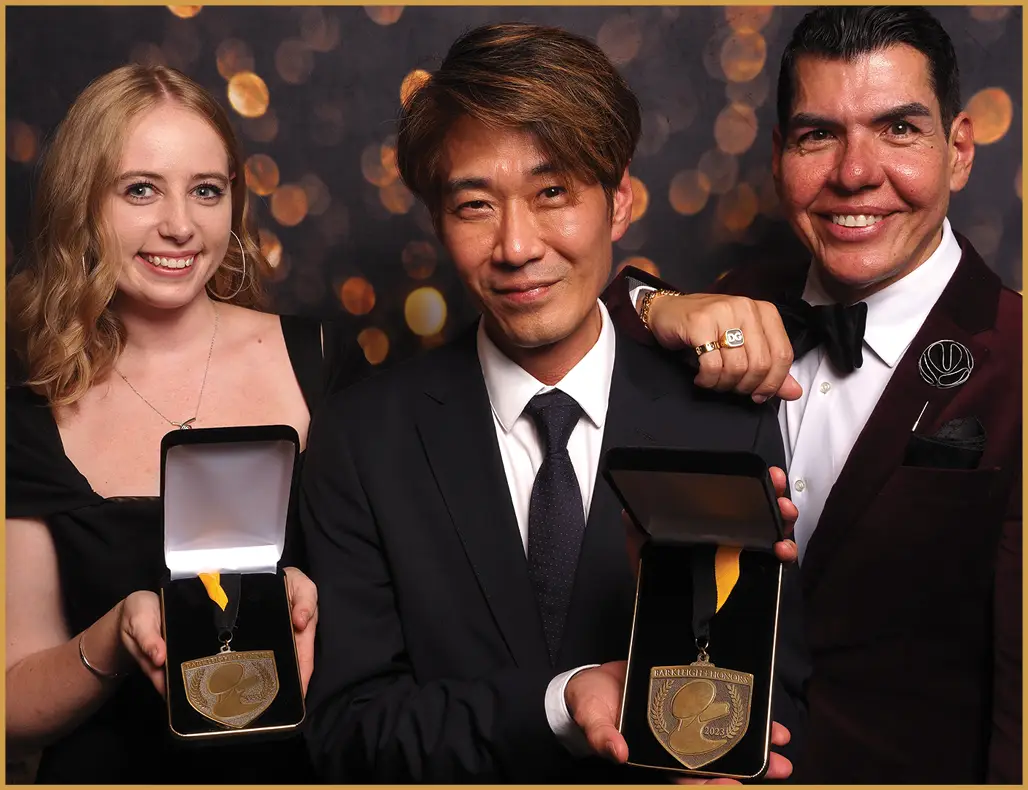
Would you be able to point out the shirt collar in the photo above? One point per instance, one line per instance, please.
(511, 387)
(896, 313)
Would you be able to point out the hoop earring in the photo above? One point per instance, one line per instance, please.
(242, 279)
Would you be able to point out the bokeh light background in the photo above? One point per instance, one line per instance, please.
(314, 93)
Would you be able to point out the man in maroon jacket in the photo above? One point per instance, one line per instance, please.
(905, 447)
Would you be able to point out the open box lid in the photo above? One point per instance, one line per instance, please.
(696, 496)
(225, 498)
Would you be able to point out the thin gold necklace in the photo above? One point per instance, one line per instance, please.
(185, 424)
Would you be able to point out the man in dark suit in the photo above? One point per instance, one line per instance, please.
(905, 449)
(474, 588)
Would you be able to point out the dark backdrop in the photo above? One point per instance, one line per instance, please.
(346, 234)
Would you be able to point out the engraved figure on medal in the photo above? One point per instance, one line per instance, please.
(699, 712)
(230, 688)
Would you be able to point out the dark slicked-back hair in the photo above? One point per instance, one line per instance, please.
(847, 32)
(558, 86)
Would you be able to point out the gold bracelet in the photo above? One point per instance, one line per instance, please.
(98, 672)
(647, 300)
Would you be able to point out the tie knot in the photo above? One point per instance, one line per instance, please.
(555, 414)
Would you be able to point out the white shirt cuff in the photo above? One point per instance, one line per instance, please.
(633, 293)
(560, 721)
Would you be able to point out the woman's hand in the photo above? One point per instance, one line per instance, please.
(139, 625)
(303, 609)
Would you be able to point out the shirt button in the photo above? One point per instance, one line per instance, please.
(800, 485)
(825, 386)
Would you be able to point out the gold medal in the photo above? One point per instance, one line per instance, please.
(231, 688)
(699, 712)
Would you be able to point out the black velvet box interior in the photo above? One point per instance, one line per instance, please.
(225, 500)
(263, 623)
(742, 638)
(684, 499)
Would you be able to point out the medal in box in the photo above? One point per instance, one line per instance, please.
(231, 669)
(701, 661)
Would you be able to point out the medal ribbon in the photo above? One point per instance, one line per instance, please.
(227, 601)
(714, 575)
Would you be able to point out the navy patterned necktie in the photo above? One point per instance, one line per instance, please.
(556, 518)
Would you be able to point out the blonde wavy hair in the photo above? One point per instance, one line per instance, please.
(59, 306)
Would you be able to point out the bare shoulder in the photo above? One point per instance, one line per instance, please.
(244, 328)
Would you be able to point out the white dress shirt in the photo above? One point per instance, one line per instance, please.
(510, 388)
(821, 427)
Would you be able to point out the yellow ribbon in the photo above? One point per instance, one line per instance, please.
(212, 581)
(726, 572)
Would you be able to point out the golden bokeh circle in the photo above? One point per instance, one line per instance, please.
(384, 14)
(294, 61)
(22, 142)
(620, 37)
(419, 259)
(374, 170)
(271, 248)
(735, 128)
(743, 56)
(261, 174)
(357, 296)
(737, 208)
(334, 224)
(374, 343)
(640, 199)
(689, 192)
(148, 54)
(329, 124)
(754, 93)
(991, 112)
(387, 156)
(396, 198)
(989, 13)
(233, 56)
(425, 311)
(656, 129)
(639, 262)
(748, 19)
(248, 94)
(263, 129)
(721, 170)
(318, 197)
(986, 233)
(185, 11)
(412, 83)
(634, 238)
(289, 205)
(318, 31)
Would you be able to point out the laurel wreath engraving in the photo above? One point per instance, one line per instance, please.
(737, 712)
(657, 706)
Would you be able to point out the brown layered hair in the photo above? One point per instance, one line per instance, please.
(557, 86)
(61, 323)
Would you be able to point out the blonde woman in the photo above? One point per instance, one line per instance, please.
(133, 316)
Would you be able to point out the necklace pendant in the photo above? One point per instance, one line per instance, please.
(185, 426)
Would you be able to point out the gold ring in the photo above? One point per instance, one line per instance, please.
(732, 338)
(704, 348)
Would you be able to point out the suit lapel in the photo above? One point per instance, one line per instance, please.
(966, 307)
(604, 587)
(455, 423)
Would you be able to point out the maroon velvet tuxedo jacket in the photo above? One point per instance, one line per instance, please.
(912, 579)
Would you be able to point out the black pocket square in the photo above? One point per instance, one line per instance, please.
(959, 444)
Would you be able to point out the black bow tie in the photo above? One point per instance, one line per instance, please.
(839, 328)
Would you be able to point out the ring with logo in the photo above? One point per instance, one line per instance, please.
(731, 338)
